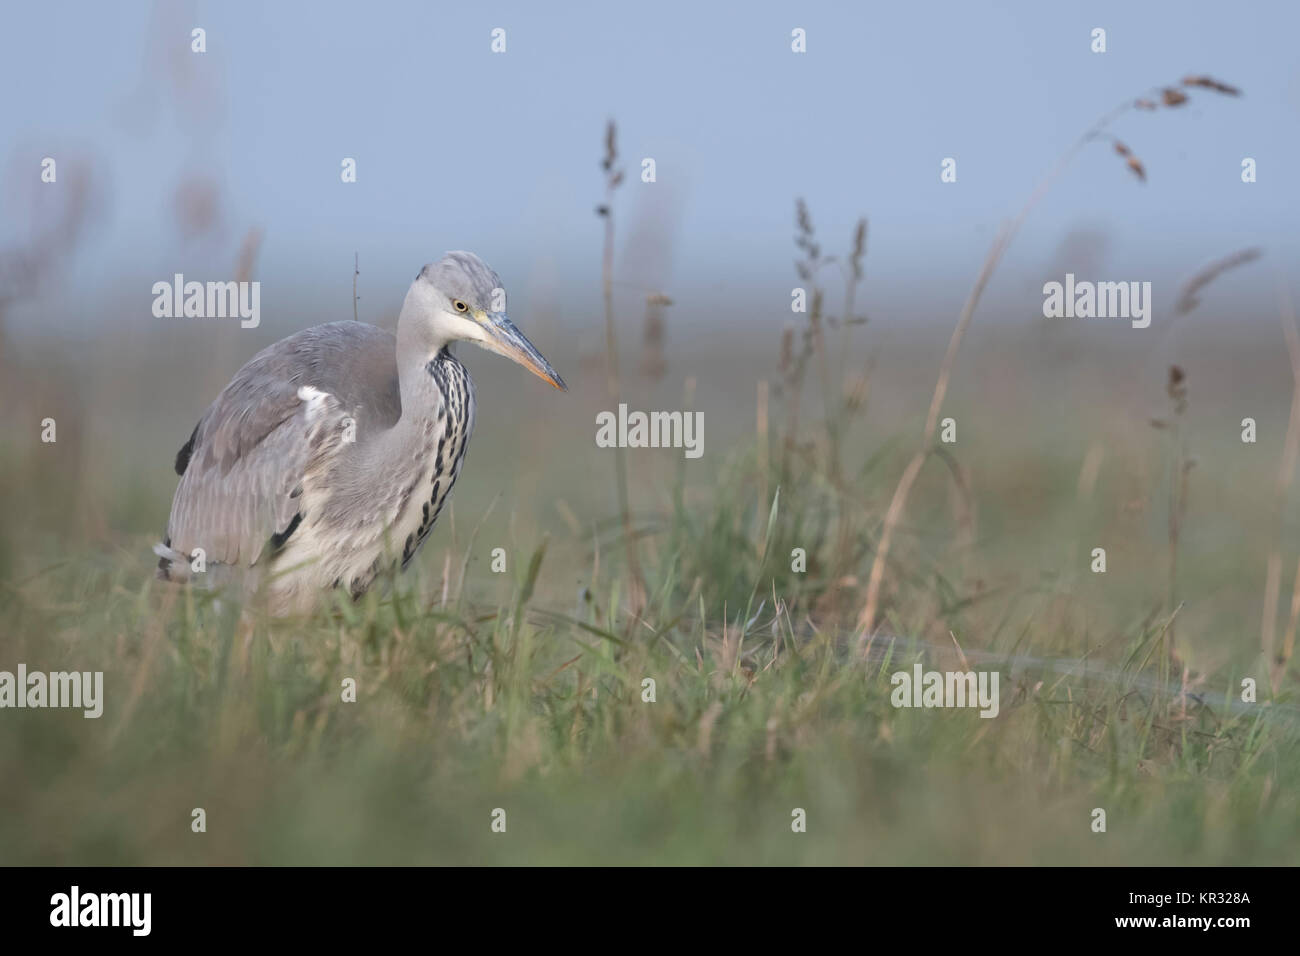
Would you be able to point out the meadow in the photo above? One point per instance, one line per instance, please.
(688, 660)
(523, 691)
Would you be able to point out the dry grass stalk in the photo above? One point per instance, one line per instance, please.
(248, 250)
(849, 402)
(1090, 470)
(814, 335)
(853, 276)
(867, 619)
(1176, 389)
(794, 363)
(653, 362)
(1279, 665)
(613, 178)
(841, 399)
(763, 463)
(963, 499)
(1187, 300)
(1286, 470)
(790, 387)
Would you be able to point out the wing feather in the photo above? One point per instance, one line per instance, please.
(242, 468)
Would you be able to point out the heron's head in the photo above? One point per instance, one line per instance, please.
(460, 299)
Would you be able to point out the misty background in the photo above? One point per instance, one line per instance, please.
(457, 147)
(1071, 435)
(226, 165)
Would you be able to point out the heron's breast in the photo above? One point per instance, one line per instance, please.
(444, 469)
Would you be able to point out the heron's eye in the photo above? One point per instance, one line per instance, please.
(459, 306)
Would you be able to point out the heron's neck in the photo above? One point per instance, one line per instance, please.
(419, 342)
(420, 394)
(399, 451)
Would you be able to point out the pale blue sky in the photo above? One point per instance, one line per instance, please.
(461, 148)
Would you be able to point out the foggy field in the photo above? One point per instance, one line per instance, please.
(951, 570)
(489, 700)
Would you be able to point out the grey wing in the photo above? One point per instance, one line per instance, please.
(242, 469)
(238, 490)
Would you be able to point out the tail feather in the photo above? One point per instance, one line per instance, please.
(172, 565)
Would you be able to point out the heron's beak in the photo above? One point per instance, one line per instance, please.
(504, 339)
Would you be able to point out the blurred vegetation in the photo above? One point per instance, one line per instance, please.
(528, 691)
(523, 691)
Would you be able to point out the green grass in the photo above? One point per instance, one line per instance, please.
(524, 691)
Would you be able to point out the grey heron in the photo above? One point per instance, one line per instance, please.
(328, 457)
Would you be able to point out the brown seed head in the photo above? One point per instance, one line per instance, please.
(1210, 83)
(859, 248)
(1177, 388)
(611, 146)
(802, 218)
